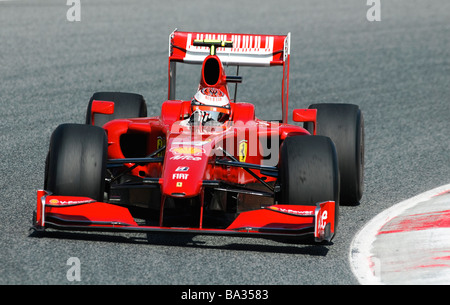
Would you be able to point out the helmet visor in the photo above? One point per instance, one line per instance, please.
(215, 115)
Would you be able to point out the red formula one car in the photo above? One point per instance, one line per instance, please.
(205, 165)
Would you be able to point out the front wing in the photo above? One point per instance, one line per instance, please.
(82, 213)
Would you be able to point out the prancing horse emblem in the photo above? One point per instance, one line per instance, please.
(243, 146)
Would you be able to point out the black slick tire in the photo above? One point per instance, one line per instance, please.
(344, 125)
(308, 171)
(76, 164)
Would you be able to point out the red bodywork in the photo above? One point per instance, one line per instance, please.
(195, 160)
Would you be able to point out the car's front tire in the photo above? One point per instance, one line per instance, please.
(76, 164)
(308, 171)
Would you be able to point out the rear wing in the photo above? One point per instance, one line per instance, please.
(248, 50)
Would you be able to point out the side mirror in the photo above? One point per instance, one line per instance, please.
(306, 115)
(103, 107)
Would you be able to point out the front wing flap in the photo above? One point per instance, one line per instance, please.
(82, 213)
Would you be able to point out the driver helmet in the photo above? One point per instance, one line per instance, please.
(212, 101)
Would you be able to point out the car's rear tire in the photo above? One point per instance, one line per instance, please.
(308, 171)
(344, 124)
(76, 163)
(126, 105)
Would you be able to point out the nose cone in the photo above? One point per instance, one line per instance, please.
(184, 168)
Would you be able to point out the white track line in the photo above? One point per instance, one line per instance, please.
(362, 263)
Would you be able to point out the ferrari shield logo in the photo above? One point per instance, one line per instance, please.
(243, 148)
(160, 142)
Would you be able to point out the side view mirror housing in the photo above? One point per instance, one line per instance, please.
(306, 115)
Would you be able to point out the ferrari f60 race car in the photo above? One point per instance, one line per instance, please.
(205, 165)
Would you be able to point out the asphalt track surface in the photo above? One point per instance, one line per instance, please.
(397, 70)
